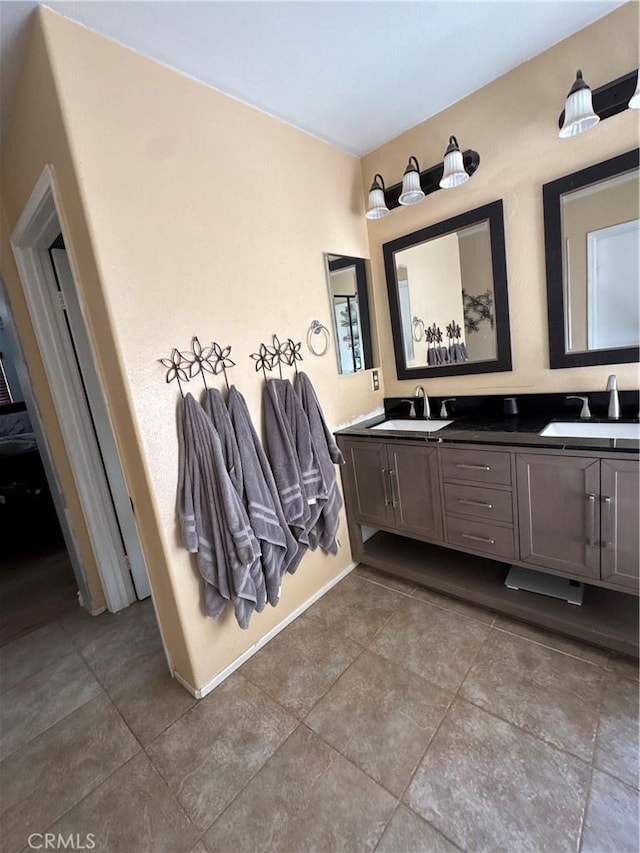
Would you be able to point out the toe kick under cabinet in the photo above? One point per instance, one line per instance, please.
(414, 506)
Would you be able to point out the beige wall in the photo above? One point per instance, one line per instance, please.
(512, 123)
(195, 215)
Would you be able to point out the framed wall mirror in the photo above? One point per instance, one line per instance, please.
(348, 293)
(592, 239)
(447, 287)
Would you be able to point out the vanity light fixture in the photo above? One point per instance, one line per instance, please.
(457, 168)
(377, 204)
(579, 114)
(412, 192)
(454, 173)
(585, 108)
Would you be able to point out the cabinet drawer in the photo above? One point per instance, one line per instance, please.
(491, 504)
(480, 536)
(481, 466)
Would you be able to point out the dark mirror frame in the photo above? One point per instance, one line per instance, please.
(494, 213)
(551, 198)
(360, 265)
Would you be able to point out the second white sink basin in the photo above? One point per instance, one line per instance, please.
(411, 425)
(569, 430)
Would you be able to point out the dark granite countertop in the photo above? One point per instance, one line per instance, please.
(519, 431)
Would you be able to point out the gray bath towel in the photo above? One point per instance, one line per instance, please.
(216, 409)
(280, 551)
(293, 460)
(328, 453)
(213, 521)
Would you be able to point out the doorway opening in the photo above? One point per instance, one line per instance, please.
(58, 317)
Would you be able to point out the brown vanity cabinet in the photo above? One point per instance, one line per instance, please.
(620, 519)
(395, 486)
(579, 516)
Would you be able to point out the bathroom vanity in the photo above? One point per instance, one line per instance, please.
(454, 508)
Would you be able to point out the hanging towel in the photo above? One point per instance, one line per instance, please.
(328, 453)
(213, 521)
(280, 551)
(293, 460)
(216, 409)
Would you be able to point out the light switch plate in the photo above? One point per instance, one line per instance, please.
(375, 380)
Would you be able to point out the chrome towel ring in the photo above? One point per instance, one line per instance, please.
(318, 328)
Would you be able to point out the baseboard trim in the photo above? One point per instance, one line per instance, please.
(231, 668)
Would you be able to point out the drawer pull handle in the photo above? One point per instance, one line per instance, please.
(474, 467)
(475, 503)
(479, 538)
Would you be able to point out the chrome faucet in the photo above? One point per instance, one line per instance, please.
(443, 407)
(412, 409)
(585, 412)
(614, 400)
(419, 389)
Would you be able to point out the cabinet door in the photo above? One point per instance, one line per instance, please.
(559, 513)
(368, 470)
(415, 490)
(620, 511)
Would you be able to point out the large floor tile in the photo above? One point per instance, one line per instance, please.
(36, 703)
(356, 608)
(611, 825)
(627, 667)
(408, 833)
(32, 653)
(617, 742)
(546, 693)
(126, 641)
(131, 812)
(381, 716)
(307, 797)
(208, 755)
(55, 770)
(488, 785)
(553, 641)
(435, 643)
(299, 665)
(384, 579)
(462, 608)
(148, 697)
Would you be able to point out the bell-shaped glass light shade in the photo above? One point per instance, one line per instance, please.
(411, 190)
(578, 111)
(377, 204)
(634, 103)
(454, 171)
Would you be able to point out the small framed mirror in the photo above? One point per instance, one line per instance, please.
(447, 287)
(592, 235)
(347, 282)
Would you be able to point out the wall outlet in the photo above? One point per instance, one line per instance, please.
(375, 380)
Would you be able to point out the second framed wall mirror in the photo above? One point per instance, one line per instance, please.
(592, 240)
(447, 287)
(348, 294)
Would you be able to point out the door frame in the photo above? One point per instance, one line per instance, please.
(38, 227)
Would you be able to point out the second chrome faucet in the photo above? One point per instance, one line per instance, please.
(419, 390)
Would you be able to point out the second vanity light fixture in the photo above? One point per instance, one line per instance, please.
(454, 171)
(584, 108)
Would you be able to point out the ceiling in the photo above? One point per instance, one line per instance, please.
(355, 74)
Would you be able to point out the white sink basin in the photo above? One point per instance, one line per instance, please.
(569, 430)
(411, 425)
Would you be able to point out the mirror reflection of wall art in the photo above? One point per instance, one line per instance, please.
(592, 237)
(347, 281)
(447, 288)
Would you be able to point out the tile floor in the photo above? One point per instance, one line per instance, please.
(386, 718)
